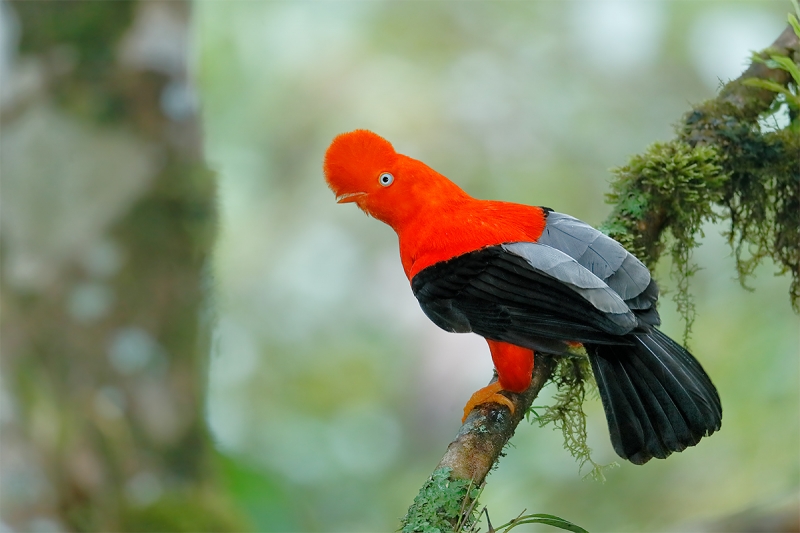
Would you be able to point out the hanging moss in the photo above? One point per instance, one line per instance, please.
(762, 197)
(574, 380)
(674, 186)
(723, 165)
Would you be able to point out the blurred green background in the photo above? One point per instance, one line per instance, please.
(330, 396)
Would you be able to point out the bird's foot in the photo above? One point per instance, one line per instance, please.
(488, 394)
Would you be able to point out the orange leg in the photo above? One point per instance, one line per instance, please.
(514, 369)
(488, 394)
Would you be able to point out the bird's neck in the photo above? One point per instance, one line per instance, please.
(461, 227)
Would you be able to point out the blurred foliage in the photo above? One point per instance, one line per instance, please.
(269, 502)
(81, 37)
(77, 24)
(190, 509)
(104, 352)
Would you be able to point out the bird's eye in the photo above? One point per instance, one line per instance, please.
(385, 179)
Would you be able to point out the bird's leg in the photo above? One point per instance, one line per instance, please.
(514, 366)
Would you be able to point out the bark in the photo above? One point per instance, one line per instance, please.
(481, 439)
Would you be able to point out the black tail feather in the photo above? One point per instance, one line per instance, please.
(657, 397)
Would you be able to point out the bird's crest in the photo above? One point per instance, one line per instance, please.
(355, 156)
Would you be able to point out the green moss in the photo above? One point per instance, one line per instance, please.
(761, 198)
(671, 186)
(724, 164)
(441, 505)
(574, 379)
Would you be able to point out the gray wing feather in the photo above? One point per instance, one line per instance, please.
(567, 270)
(598, 253)
(567, 234)
(631, 279)
(590, 247)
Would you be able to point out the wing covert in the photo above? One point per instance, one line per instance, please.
(564, 268)
(523, 293)
(603, 256)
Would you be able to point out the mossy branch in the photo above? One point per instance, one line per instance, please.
(723, 164)
(469, 458)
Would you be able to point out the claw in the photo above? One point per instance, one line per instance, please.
(488, 394)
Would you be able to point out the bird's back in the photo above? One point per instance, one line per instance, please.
(449, 230)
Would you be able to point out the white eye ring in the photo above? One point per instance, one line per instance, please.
(385, 179)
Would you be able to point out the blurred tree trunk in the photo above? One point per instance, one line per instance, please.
(108, 221)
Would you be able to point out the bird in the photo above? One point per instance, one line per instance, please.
(530, 279)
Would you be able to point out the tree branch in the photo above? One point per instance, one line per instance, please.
(486, 431)
(472, 454)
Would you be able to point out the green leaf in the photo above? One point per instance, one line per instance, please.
(769, 85)
(789, 66)
(542, 518)
(793, 21)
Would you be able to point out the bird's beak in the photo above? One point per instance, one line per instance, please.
(348, 197)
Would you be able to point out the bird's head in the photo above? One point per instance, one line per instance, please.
(359, 165)
(363, 167)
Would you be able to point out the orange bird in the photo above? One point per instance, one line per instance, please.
(530, 279)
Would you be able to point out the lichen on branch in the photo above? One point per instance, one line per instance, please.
(440, 505)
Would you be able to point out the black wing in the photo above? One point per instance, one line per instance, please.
(526, 294)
